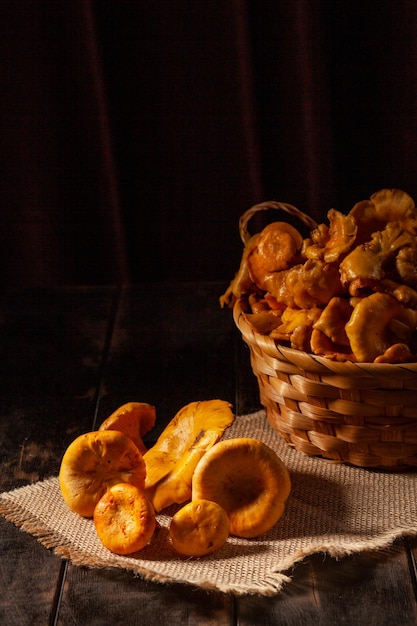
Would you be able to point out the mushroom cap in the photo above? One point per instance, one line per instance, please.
(94, 462)
(371, 328)
(248, 480)
(170, 463)
(384, 206)
(124, 519)
(333, 319)
(277, 248)
(200, 527)
(305, 286)
(134, 419)
(331, 243)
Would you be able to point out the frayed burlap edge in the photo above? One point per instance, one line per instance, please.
(269, 584)
(64, 548)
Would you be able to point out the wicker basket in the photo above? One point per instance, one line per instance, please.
(363, 414)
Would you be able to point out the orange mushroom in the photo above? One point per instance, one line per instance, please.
(296, 326)
(170, 463)
(329, 337)
(403, 293)
(341, 235)
(94, 462)
(134, 419)
(199, 528)
(322, 345)
(333, 318)
(373, 260)
(124, 519)
(277, 248)
(397, 353)
(372, 327)
(242, 282)
(248, 480)
(384, 206)
(406, 265)
(309, 285)
(264, 322)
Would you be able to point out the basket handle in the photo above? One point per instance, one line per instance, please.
(271, 204)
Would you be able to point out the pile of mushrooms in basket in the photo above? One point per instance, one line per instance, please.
(347, 291)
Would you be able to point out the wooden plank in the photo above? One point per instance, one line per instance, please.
(172, 344)
(411, 544)
(117, 597)
(169, 347)
(28, 574)
(368, 588)
(51, 345)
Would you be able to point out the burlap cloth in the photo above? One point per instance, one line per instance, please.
(332, 508)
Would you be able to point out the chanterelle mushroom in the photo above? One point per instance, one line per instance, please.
(242, 282)
(370, 260)
(277, 248)
(378, 322)
(305, 286)
(330, 243)
(385, 205)
(170, 463)
(406, 265)
(248, 480)
(94, 462)
(134, 419)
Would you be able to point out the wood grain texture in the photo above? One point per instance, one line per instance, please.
(51, 347)
(69, 358)
(117, 597)
(370, 588)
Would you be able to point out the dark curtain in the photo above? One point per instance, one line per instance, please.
(135, 133)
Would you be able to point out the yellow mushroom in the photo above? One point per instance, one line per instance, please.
(93, 463)
(200, 527)
(371, 328)
(372, 260)
(170, 463)
(329, 244)
(134, 419)
(384, 206)
(124, 519)
(277, 248)
(305, 286)
(248, 480)
(333, 319)
(242, 282)
(296, 326)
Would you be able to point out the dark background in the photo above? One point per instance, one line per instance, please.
(135, 133)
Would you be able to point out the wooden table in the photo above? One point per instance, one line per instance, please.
(69, 357)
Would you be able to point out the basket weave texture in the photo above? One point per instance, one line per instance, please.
(364, 414)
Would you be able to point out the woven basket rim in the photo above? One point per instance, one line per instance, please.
(268, 205)
(311, 362)
(364, 414)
